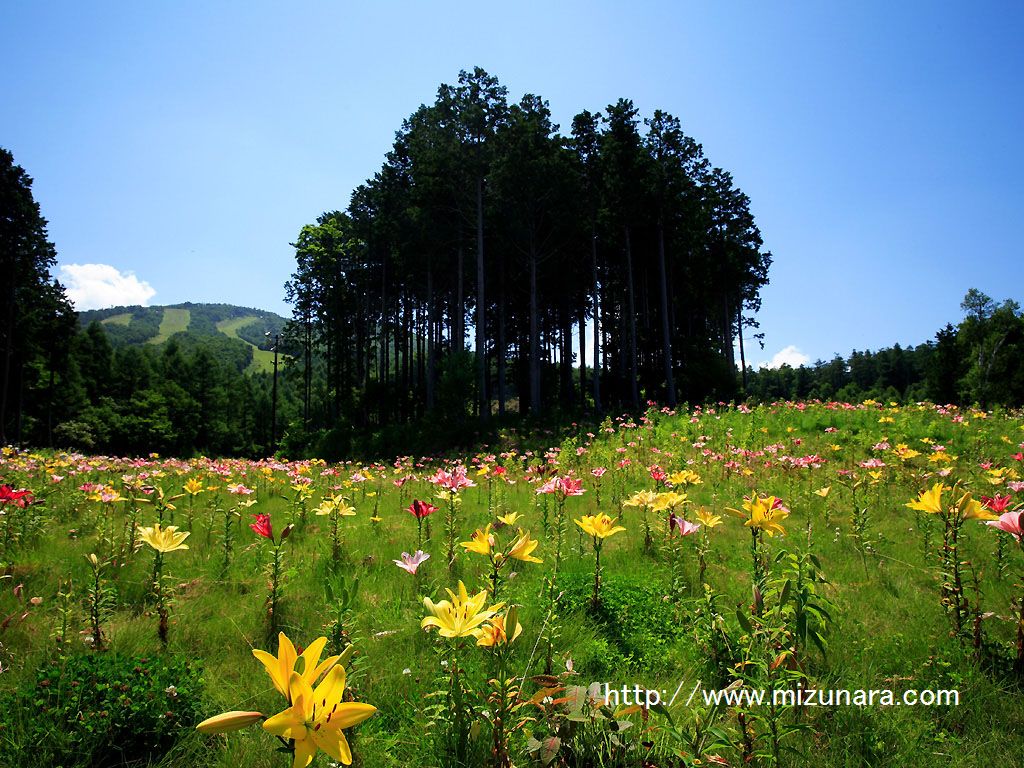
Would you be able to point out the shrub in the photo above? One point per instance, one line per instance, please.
(633, 615)
(101, 709)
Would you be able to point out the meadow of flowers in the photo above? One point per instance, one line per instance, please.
(468, 611)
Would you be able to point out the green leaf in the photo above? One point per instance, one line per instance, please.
(744, 620)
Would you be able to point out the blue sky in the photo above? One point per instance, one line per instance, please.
(184, 144)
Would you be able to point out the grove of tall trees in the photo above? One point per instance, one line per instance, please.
(496, 264)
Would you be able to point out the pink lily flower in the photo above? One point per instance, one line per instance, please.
(411, 562)
(1009, 522)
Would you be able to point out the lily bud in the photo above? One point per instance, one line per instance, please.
(229, 721)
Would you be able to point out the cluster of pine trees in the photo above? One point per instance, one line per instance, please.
(588, 270)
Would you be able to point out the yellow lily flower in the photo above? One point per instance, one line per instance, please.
(765, 516)
(281, 667)
(971, 509)
(193, 486)
(706, 518)
(600, 526)
(522, 548)
(668, 500)
(929, 501)
(823, 492)
(303, 491)
(493, 632)
(510, 518)
(461, 616)
(685, 477)
(164, 540)
(997, 476)
(481, 542)
(641, 499)
(335, 505)
(316, 718)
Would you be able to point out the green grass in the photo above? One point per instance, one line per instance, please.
(123, 319)
(173, 321)
(889, 630)
(262, 359)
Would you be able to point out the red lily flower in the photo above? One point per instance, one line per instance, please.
(20, 498)
(420, 509)
(997, 503)
(262, 526)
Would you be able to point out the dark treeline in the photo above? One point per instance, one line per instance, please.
(175, 399)
(979, 361)
(495, 264)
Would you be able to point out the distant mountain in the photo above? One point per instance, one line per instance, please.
(235, 333)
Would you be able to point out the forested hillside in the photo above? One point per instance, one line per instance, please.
(239, 336)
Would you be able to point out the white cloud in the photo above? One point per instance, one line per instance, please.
(789, 356)
(97, 286)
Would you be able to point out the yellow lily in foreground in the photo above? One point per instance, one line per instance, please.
(461, 616)
(280, 667)
(166, 539)
(316, 718)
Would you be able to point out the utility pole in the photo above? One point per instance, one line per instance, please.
(273, 396)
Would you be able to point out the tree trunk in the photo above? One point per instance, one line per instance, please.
(565, 358)
(50, 389)
(384, 351)
(534, 338)
(501, 351)
(666, 334)
(582, 320)
(634, 392)
(307, 374)
(743, 358)
(597, 325)
(730, 352)
(481, 307)
(458, 339)
(8, 353)
(431, 341)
